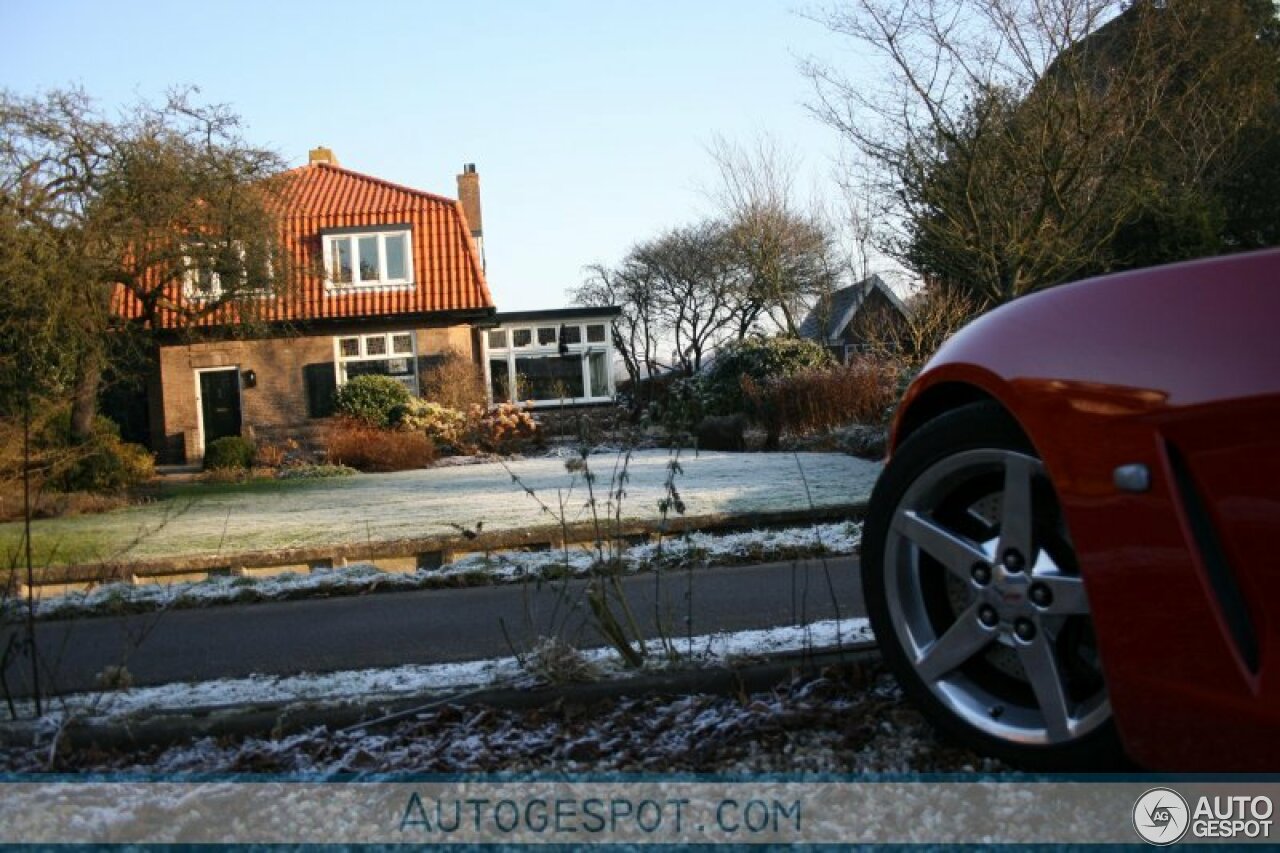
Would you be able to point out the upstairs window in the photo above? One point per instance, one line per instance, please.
(368, 258)
(215, 271)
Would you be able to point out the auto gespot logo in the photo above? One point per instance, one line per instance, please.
(1161, 816)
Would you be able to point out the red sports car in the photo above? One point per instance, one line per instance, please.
(1074, 547)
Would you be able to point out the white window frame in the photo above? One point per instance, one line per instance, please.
(191, 288)
(353, 236)
(341, 361)
(582, 350)
(191, 280)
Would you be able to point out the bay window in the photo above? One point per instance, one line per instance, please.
(550, 363)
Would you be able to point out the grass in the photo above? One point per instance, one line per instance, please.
(226, 518)
(192, 491)
(108, 536)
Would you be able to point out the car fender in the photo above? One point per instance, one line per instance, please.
(1176, 370)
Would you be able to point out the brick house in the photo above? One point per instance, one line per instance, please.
(388, 280)
(842, 320)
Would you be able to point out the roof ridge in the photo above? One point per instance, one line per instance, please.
(376, 180)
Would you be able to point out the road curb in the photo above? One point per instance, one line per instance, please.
(164, 727)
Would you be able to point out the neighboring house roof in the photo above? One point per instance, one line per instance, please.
(833, 314)
(322, 197)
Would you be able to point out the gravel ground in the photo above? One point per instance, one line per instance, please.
(849, 720)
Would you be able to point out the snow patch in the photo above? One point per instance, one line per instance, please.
(414, 680)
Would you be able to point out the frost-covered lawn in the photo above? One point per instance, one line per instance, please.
(693, 549)
(271, 515)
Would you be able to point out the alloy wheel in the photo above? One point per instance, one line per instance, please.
(986, 602)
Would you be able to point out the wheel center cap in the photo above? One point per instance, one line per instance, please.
(1010, 591)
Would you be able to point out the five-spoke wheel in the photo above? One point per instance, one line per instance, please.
(975, 597)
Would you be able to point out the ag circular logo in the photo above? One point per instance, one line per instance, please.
(1161, 816)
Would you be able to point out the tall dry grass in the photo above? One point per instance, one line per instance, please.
(368, 448)
(820, 399)
(455, 382)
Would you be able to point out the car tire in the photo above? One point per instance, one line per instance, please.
(976, 600)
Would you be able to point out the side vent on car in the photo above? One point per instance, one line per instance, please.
(1221, 577)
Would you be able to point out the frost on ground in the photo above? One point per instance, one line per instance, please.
(848, 720)
(413, 504)
(674, 553)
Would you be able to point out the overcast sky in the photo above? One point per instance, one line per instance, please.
(588, 121)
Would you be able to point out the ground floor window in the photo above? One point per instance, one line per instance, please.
(550, 363)
(391, 354)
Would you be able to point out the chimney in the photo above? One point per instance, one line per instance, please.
(469, 197)
(322, 155)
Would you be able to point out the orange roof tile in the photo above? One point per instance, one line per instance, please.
(321, 196)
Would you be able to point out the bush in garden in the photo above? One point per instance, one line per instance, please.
(55, 432)
(454, 381)
(102, 463)
(107, 464)
(441, 424)
(817, 400)
(681, 404)
(372, 399)
(230, 451)
(272, 455)
(503, 429)
(760, 359)
(368, 448)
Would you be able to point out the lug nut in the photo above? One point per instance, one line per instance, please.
(1041, 595)
(981, 574)
(1024, 630)
(1013, 561)
(987, 615)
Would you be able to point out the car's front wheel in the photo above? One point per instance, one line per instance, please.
(975, 597)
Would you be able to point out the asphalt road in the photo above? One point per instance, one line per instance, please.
(421, 627)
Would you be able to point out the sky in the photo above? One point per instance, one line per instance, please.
(589, 121)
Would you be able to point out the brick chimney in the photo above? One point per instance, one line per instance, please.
(469, 197)
(322, 155)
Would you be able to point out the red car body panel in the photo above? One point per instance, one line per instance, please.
(1176, 368)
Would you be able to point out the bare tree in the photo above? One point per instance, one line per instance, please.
(1016, 140)
(864, 208)
(694, 282)
(637, 331)
(786, 254)
(933, 314)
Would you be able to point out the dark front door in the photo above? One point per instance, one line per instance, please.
(220, 404)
